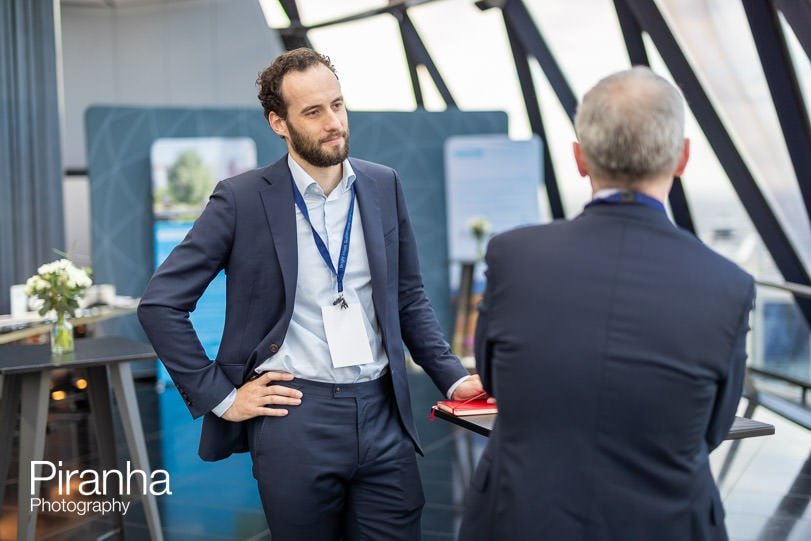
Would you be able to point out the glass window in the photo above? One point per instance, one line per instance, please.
(475, 60)
(371, 63)
(584, 37)
(319, 11)
(473, 56)
(715, 36)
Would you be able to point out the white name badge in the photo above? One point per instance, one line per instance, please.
(346, 335)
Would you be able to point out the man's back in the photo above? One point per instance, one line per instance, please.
(614, 344)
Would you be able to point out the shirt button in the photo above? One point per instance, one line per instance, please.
(337, 389)
(274, 348)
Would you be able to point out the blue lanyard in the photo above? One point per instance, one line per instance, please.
(625, 198)
(322, 248)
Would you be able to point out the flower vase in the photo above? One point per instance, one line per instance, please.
(61, 335)
(479, 249)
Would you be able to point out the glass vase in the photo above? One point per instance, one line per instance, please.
(61, 336)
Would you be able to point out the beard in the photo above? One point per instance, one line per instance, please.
(312, 151)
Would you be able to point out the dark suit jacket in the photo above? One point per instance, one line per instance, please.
(248, 228)
(615, 346)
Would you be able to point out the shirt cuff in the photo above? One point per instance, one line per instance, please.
(453, 387)
(220, 409)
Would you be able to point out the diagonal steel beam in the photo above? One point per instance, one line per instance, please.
(412, 71)
(774, 237)
(516, 14)
(295, 35)
(679, 206)
(418, 55)
(535, 121)
(798, 16)
(291, 9)
(784, 88)
(632, 34)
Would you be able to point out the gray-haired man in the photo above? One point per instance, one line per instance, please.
(615, 345)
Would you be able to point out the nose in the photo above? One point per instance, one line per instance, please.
(333, 122)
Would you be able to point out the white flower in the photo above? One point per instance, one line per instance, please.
(78, 278)
(58, 284)
(34, 285)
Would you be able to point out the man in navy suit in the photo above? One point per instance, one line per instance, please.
(615, 344)
(323, 287)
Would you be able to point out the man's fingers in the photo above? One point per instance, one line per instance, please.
(279, 400)
(272, 412)
(277, 395)
(281, 390)
(275, 375)
(269, 377)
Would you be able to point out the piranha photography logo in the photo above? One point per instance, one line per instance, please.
(90, 491)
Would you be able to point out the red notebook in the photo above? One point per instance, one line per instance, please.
(461, 408)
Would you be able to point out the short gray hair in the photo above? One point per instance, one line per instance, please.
(631, 126)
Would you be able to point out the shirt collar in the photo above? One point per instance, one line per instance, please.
(304, 181)
(604, 193)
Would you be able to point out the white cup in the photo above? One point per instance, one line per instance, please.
(19, 300)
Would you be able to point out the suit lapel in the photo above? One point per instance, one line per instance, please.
(277, 199)
(369, 206)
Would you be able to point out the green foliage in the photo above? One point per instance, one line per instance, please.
(190, 179)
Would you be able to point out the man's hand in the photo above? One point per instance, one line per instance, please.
(254, 398)
(470, 389)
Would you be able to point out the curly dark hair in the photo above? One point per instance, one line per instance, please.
(270, 79)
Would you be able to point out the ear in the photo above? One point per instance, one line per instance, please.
(277, 124)
(685, 156)
(582, 168)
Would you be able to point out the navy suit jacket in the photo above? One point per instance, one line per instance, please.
(248, 228)
(615, 346)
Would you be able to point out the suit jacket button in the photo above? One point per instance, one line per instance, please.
(274, 348)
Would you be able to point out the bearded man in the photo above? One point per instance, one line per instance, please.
(323, 288)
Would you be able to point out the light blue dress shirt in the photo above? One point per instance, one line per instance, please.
(305, 352)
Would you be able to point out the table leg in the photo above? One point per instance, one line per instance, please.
(733, 447)
(33, 423)
(463, 441)
(124, 390)
(9, 405)
(98, 390)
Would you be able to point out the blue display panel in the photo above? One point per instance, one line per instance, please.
(125, 254)
(184, 173)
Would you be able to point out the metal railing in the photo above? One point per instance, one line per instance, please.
(767, 399)
(797, 289)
